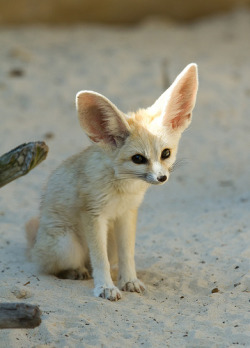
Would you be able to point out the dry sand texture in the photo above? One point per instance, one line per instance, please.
(193, 233)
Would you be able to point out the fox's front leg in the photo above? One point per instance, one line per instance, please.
(125, 230)
(96, 235)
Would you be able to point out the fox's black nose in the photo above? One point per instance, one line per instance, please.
(162, 178)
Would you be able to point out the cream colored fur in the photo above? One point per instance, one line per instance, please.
(89, 208)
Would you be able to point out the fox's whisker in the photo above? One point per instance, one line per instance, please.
(179, 163)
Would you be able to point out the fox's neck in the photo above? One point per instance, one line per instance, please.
(134, 186)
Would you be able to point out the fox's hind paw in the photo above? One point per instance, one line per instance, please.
(74, 274)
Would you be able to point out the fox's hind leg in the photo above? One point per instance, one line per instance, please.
(74, 274)
(60, 252)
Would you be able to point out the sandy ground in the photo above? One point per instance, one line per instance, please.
(193, 232)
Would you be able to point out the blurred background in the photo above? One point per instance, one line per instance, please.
(108, 11)
(196, 226)
(130, 51)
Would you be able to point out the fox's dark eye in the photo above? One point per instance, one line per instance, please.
(165, 154)
(139, 159)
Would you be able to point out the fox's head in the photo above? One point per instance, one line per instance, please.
(143, 144)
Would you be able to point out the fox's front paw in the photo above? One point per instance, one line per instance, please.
(109, 293)
(134, 285)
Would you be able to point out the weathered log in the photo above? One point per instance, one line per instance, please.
(19, 316)
(21, 160)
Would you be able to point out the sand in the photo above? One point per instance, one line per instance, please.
(193, 232)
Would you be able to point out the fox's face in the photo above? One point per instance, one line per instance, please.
(148, 153)
(143, 145)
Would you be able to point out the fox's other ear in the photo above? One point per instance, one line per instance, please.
(101, 119)
(176, 104)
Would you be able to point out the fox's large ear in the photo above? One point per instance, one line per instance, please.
(175, 106)
(101, 119)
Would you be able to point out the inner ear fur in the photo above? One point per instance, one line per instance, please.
(176, 104)
(101, 119)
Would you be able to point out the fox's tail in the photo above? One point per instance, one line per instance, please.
(31, 228)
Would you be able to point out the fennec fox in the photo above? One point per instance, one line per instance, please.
(89, 208)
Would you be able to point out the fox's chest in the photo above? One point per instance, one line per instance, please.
(119, 201)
